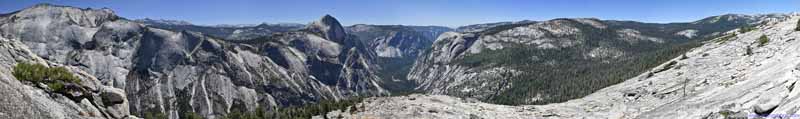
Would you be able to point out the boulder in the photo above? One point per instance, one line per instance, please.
(115, 101)
(91, 111)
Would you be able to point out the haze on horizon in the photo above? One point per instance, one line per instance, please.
(450, 13)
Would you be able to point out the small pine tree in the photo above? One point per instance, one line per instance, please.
(30, 72)
(748, 51)
(155, 115)
(261, 112)
(746, 29)
(763, 40)
(192, 115)
(56, 86)
(353, 109)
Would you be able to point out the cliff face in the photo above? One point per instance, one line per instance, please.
(395, 47)
(392, 48)
(24, 99)
(178, 71)
(397, 41)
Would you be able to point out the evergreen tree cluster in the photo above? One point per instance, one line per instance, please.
(574, 79)
(292, 112)
(296, 112)
(54, 77)
(725, 38)
(745, 29)
(558, 74)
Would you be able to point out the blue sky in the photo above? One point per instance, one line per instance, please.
(418, 12)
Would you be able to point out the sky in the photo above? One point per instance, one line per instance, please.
(450, 13)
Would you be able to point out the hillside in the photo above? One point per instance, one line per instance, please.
(740, 75)
(557, 60)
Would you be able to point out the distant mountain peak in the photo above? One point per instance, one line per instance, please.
(740, 18)
(285, 24)
(48, 5)
(234, 25)
(163, 21)
(329, 27)
(328, 16)
(328, 20)
(80, 16)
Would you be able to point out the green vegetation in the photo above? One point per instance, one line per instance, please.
(571, 76)
(238, 114)
(563, 73)
(725, 38)
(560, 74)
(291, 112)
(763, 40)
(38, 72)
(56, 86)
(54, 77)
(155, 115)
(192, 115)
(504, 57)
(747, 28)
(666, 67)
(393, 74)
(296, 112)
(727, 114)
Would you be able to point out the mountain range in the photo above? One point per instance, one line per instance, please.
(719, 66)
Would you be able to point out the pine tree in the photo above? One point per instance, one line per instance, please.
(748, 51)
(745, 29)
(763, 40)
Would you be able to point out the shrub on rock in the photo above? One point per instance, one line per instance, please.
(54, 77)
(763, 40)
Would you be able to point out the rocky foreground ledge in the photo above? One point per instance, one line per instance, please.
(86, 100)
(431, 107)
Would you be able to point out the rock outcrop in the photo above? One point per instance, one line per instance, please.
(23, 99)
(329, 27)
